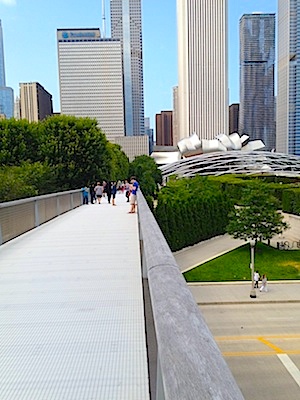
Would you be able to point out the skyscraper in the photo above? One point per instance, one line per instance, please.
(257, 63)
(234, 111)
(126, 25)
(90, 78)
(288, 93)
(202, 68)
(6, 93)
(35, 102)
(164, 128)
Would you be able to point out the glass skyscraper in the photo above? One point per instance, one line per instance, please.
(126, 25)
(288, 96)
(257, 63)
(6, 93)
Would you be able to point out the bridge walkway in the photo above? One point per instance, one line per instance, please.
(71, 309)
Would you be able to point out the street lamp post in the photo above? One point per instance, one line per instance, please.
(252, 247)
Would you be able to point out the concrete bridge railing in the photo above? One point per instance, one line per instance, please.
(19, 216)
(189, 364)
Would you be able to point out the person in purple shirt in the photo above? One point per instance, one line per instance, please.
(134, 188)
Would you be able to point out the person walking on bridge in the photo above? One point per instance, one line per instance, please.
(134, 188)
(99, 192)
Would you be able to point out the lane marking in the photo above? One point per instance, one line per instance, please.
(290, 366)
(271, 345)
(248, 353)
(255, 353)
(255, 337)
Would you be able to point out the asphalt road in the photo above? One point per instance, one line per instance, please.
(261, 344)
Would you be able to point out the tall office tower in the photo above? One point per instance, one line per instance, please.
(35, 102)
(257, 62)
(90, 78)
(126, 25)
(175, 116)
(202, 68)
(17, 110)
(149, 133)
(164, 128)
(234, 110)
(6, 93)
(288, 92)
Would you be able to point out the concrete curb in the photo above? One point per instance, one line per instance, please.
(238, 303)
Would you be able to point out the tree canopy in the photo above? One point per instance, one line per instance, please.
(19, 141)
(59, 153)
(145, 169)
(77, 149)
(258, 216)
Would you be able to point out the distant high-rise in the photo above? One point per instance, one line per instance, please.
(6, 93)
(202, 68)
(149, 133)
(234, 117)
(288, 93)
(257, 63)
(126, 25)
(175, 116)
(35, 102)
(164, 128)
(2, 66)
(90, 78)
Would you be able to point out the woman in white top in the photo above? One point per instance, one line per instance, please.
(263, 287)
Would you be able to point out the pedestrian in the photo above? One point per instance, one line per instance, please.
(92, 193)
(99, 192)
(85, 195)
(108, 191)
(113, 192)
(127, 190)
(256, 279)
(264, 284)
(134, 188)
(104, 185)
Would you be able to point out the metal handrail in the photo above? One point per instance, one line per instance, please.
(189, 362)
(20, 216)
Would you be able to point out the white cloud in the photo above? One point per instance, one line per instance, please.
(8, 2)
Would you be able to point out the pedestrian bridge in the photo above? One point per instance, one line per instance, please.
(93, 306)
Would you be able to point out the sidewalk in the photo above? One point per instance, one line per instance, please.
(239, 293)
(202, 252)
(230, 292)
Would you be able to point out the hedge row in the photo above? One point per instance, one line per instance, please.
(233, 185)
(192, 210)
(291, 201)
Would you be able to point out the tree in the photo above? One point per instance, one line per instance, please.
(19, 141)
(77, 149)
(145, 169)
(25, 180)
(258, 217)
(119, 163)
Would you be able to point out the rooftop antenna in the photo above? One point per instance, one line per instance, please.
(103, 20)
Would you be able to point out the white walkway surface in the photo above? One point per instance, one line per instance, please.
(71, 309)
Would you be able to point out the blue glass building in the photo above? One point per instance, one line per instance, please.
(6, 93)
(257, 67)
(126, 25)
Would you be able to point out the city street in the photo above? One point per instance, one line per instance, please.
(261, 344)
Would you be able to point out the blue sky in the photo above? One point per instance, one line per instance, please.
(29, 30)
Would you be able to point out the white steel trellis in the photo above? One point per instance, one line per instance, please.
(234, 162)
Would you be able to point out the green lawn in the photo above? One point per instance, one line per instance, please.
(234, 265)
